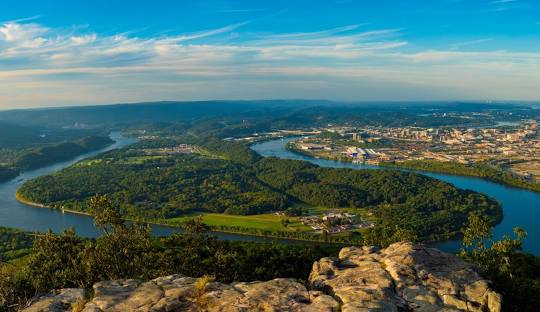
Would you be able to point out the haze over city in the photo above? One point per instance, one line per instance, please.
(95, 52)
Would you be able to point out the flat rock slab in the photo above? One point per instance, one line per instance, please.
(402, 277)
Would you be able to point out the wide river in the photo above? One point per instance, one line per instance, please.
(20, 216)
(520, 206)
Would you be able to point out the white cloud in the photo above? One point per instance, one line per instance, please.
(502, 1)
(459, 45)
(44, 66)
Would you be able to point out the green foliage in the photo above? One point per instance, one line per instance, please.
(195, 226)
(104, 213)
(14, 243)
(482, 170)
(514, 274)
(171, 186)
(158, 188)
(57, 260)
(7, 174)
(429, 208)
(129, 251)
(63, 151)
(15, 286)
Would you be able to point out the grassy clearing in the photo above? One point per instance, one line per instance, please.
(139, 160)
(265, 222)
(90, 162)
(361, 212)
(207, 154)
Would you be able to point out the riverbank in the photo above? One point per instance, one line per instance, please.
(520, 206)
(214, 229)
(307, 237)
(290, 147)
(7, 174)
(27, 202)
(484, 172)
(478, 171)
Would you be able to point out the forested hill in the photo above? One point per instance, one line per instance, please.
(59, 152)
(47, 154)
(229, 177)
(152, 112)
(273, 113)
(7, 174)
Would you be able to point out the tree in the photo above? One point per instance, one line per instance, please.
(515, 275)
(105, 214)
(123, 251)
(56, 261)
(195, 227)
(494, 257)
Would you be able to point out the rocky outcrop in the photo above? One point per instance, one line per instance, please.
(179, 293)
(402, 277)
(58, 301)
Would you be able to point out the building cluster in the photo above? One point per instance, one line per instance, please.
(462, 145)
(336, 222)
(179, 149)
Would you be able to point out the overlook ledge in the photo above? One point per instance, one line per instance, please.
(402, 277)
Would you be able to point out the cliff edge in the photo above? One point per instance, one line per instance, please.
(402, 277)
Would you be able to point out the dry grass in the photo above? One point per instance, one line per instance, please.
(200, 290)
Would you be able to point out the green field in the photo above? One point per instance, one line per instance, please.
(139, 160)
(89, 162)
(264, 222)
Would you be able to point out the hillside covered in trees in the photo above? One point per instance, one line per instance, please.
(228, 177)
(59, 152)
(34, 146)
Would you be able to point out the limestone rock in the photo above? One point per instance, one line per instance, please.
(180, 293)
(57, 301)
(403, 277)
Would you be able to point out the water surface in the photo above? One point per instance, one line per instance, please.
(520, 207)
(28, 218)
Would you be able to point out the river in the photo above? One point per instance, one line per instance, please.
(520, 207)
(17, 215)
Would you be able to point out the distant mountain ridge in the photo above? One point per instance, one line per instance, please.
(182, 111)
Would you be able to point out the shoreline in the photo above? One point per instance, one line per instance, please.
(213, 230)
(24, 201)
(394, 166)
(27, 202)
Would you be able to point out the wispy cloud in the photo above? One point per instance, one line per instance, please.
(24, 19)
(76, 65)
(459, 45)
(238, 11)
(502, 1)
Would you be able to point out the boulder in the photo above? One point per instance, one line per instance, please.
(402, 277)
(58, 301)
(180, 293)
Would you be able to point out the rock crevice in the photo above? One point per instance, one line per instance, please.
(402, 277)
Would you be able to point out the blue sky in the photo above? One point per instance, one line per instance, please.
(55, 53)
